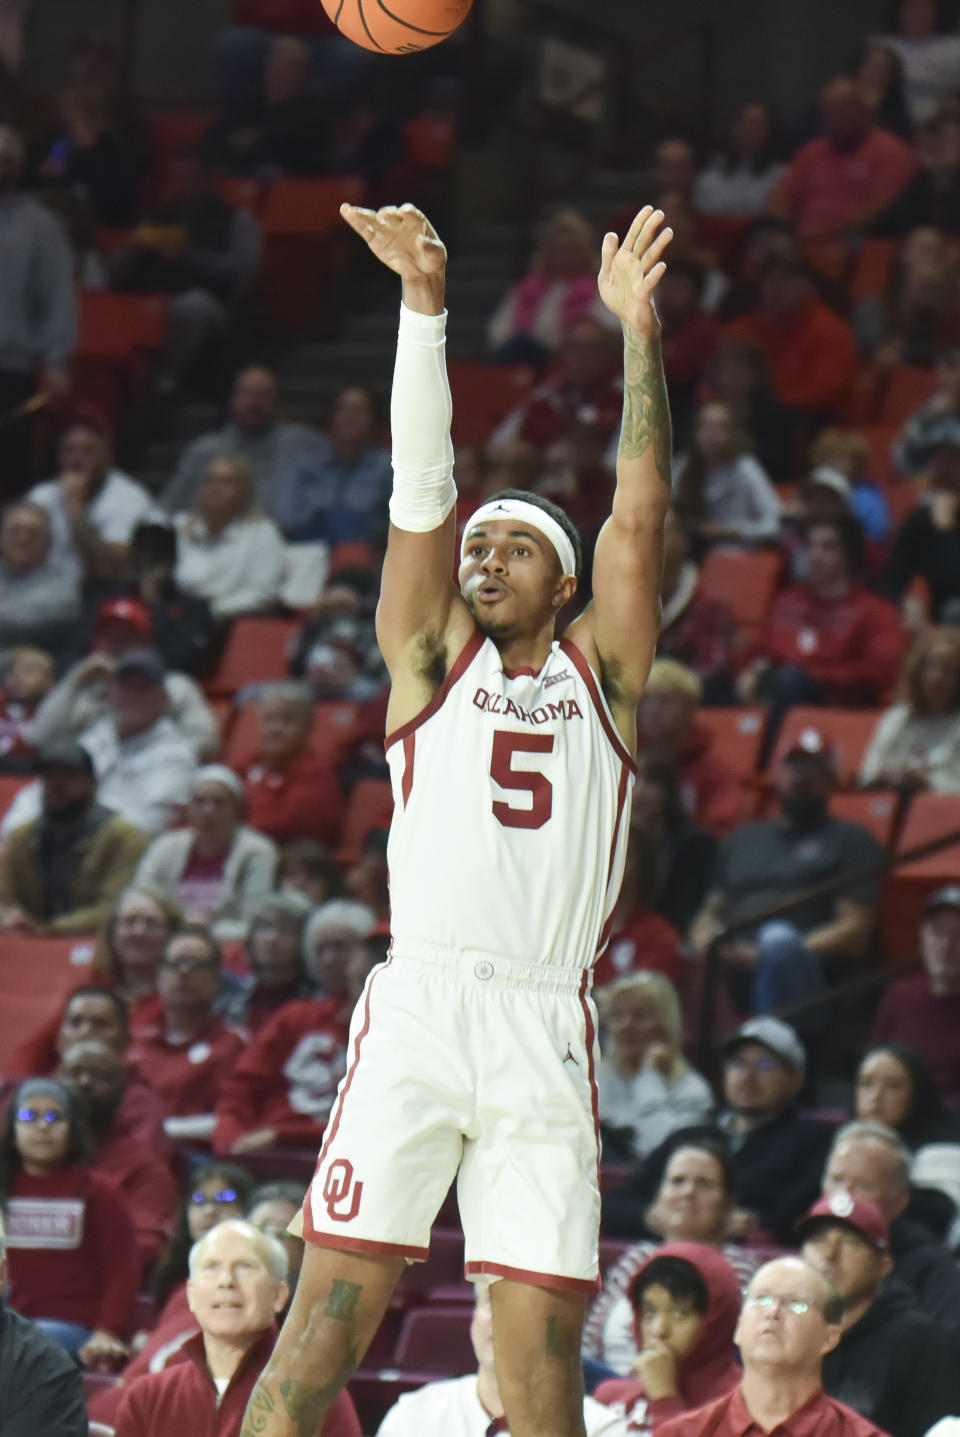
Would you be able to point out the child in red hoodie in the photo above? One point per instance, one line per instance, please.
(686, 1301)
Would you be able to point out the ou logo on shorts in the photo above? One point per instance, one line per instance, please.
(339, 1187)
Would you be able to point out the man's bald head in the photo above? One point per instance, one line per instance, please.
(789, 1321)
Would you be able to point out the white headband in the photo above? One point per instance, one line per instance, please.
(531, 514)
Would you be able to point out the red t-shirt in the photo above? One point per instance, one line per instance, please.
(201, 888)
(288, 1077)
(826, 188)
(819, 1416)
(301, 800)
(72, 1249)
(187, 1075)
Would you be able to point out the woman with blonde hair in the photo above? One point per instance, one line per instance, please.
(847, 453)
(560, 288)
(228, 552)
(916, 743)
(647, 1089)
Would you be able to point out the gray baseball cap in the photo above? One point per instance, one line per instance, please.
(771, 1033)
(948, 897)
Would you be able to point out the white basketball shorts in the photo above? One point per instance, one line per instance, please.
(465, 1063)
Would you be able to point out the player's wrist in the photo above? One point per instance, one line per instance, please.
(424, 293)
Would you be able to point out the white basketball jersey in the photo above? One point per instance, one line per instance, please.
(512, 805)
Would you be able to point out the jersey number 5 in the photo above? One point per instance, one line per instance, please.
(505, 745)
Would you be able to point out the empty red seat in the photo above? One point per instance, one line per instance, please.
(930, 816)
(36, 974)
(877, 811)
(443, 1267)
(255, 652)
(436, 1339)
(744, 580)
(910, 386)
(120, 326)
(483, 394)
(305, 249)
(848, 730)
(375, 1391)
(737, 736)
(369, 806)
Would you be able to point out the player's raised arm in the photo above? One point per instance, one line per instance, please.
(624, 619)
(417, 589)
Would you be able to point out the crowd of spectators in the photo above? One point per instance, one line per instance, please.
(222, 850)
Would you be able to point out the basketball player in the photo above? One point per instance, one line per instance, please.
(472, 1048)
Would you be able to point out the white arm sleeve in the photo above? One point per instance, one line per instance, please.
(420, 414)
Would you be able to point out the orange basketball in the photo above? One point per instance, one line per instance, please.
(397, 27)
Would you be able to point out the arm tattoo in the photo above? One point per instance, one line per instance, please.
(646, 409)
(305, 1405)
(258, 1411)
(557, 1341)
(343, 1299)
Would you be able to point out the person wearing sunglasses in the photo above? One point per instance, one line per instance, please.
(790, 1319)
(71, 1244)
(212, 1193)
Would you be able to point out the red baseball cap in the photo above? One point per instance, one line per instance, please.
(126, 611)
(857, 1212)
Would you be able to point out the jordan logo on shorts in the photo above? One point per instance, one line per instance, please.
(570, 1058)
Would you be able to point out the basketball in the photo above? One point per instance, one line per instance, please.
(399, 27)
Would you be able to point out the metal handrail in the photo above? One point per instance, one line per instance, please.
(859, 983)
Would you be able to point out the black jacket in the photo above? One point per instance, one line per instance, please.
(895, 1366)
(928, 1271)
(41, 1389)
(777, 1169)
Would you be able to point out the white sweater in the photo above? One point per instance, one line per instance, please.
(248, 875)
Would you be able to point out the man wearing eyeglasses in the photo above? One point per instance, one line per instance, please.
(789, 1321)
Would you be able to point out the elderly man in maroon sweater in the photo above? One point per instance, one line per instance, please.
(236, 1289)
(789, 1321)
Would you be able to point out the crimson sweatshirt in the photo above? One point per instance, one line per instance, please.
(181, 1401)
(287, 1079)
(853, 645)
(72, 1249)
(708, 1368)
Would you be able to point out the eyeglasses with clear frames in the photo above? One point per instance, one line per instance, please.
(767, 1301)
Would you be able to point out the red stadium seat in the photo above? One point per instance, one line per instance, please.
(745, 581)
(290, 17)
(909, 387)
(483, 394)
(305, 249)
(375, 1391)
(930, 816)
(36, 974)
(443, 1268)
(738, 737)
(120, 326)
(369, 806)
(336, 730)
(877, 811)
(436, 1339)
(849, 730)
(256, 652)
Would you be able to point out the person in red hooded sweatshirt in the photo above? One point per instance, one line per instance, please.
(686, 1301)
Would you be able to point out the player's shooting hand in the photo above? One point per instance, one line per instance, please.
(401, 237)
(631, 271)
